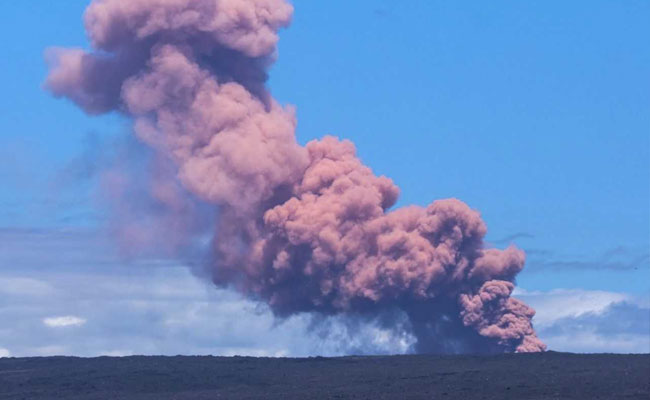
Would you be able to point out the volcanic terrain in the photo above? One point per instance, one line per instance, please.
(539, 376)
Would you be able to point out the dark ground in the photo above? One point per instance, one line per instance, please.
(517, 376)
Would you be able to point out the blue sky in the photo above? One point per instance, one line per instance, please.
(535, 113)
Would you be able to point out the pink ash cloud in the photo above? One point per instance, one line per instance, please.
(304, 229)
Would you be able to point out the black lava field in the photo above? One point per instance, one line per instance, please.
(547, 375)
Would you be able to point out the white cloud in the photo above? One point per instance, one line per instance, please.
(4, 353)
(155, 317)
(62, 322)
(563, 303)
(591, 342)
(584, 321)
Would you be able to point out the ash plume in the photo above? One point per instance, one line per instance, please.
(304, 229)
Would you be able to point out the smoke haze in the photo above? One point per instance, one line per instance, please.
(303, 229)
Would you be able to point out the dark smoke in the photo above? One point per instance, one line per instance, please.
(304, 229)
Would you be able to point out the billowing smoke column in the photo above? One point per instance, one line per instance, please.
(304, 229)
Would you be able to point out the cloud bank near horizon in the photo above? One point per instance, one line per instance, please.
(158, 307)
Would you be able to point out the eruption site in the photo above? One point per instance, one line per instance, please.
(303, 229)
